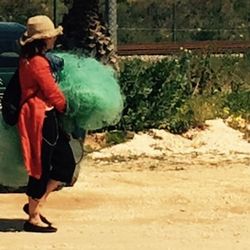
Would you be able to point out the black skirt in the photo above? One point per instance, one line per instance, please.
(57, 157)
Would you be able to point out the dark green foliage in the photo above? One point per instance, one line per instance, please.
(177, 93)
(21, 10)
(115, 137)
(150, 20)
(154, 91)
(185, 20)
(239, 102)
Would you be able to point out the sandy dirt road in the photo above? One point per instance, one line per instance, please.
(148, 208)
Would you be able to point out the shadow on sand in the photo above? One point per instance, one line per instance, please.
(11, 225)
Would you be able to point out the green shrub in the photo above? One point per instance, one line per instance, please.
(239, 103)
(183, 91)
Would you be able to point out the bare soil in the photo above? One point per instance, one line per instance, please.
(141, 204)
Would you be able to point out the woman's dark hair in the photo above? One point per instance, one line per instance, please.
(33, 48)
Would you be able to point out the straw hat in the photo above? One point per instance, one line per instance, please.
(40, 27)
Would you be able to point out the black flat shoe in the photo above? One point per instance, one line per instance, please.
(29, 227)
(43, 219)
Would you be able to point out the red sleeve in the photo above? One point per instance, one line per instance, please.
(42, 75)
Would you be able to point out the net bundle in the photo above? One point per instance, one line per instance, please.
(12, 171)
(93, 94)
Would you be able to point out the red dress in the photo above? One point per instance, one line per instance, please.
(36, 77)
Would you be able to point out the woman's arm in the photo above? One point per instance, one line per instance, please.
(43, 76)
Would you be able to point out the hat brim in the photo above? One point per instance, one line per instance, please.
(26, 39)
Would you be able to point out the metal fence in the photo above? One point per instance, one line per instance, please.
(179, 21)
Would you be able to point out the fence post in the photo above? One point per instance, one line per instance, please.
(111, 9)
(54, 12)
(174, 21)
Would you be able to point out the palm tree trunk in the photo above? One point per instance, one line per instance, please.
(84, 29)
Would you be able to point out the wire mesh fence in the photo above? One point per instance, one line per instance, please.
(193, 20)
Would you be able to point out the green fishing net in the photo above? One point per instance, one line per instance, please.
(93, 95)
(12, 171)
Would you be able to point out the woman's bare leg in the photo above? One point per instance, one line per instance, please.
(51, 186)
(34, 213)
(35, 204)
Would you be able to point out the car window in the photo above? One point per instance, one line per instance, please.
(10, 32)
(9, 59)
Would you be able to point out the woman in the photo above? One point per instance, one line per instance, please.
(47, 155)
